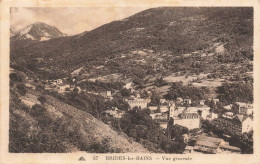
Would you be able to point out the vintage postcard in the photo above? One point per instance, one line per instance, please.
(129, 81)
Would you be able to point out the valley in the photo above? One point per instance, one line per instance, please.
(158, 81)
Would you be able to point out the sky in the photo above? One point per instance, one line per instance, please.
(69, 20)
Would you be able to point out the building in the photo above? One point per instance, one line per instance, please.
(164, 108)
(244, 108)
(161, 116)
(30, 85)
(202, 110)
(128, 85)
(185, 138)
(163, 101)
(179, 100)
(182, 117)
(62, 88)
(189, 120)
(245, 111)
(53, 82)
(59, 81)
(161, 112)
(237, 124)
(215, 101)
(188, 150)
(202, 102)
(115, 113)
(11, 70)
(187, 101)
(153, 109)
(163, 125)
(212, 116)
(155, 115)
(107, 95)
(137, 102)
(212, 145)
(228, 107)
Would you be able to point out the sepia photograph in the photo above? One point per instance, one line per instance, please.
(131, 79)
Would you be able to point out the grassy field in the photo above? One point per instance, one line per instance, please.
(209, 83)
(173, 78)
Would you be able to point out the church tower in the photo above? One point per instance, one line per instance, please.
(171, 110)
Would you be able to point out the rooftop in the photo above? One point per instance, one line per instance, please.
(233, 148)
(208, 150)
(189, 115)
(209, 141)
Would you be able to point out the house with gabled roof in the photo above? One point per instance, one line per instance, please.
(237, 124)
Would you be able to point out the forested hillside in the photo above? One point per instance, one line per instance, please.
(173, 31)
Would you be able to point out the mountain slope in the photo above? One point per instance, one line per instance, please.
(34, 33)
(174, 30)
(59, 127)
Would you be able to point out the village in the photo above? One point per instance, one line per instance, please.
(181, 111)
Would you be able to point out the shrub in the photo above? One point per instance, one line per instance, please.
(42, 100)
(14, 77)
(21, 89)
(37, 110)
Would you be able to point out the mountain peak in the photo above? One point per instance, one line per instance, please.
(38, 31)
(39, 23)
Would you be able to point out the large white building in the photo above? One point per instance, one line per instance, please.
(137, 102)
(184, 118)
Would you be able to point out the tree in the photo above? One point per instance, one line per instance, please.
(125, 92)
(76, 90)
(235, 92)
(159, 82)
(14, 77)
(38, 110)
(42, 100)
(158, 110)
(21, 89)
(155, 99)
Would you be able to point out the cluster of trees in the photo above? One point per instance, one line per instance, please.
(101, 86)
(180, 90)
(159, 82)
(139, 82)
(155, 99)
(93, 104)
(230, 93)
(116, 102)
(139, 125)
(175, 132)
(125, 92)
(15, 78)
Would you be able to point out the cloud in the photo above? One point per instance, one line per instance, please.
(70, 20)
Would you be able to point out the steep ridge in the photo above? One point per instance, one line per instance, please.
(58, 127)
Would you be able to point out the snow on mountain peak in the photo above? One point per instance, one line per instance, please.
(38, 31)
(25, 30)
